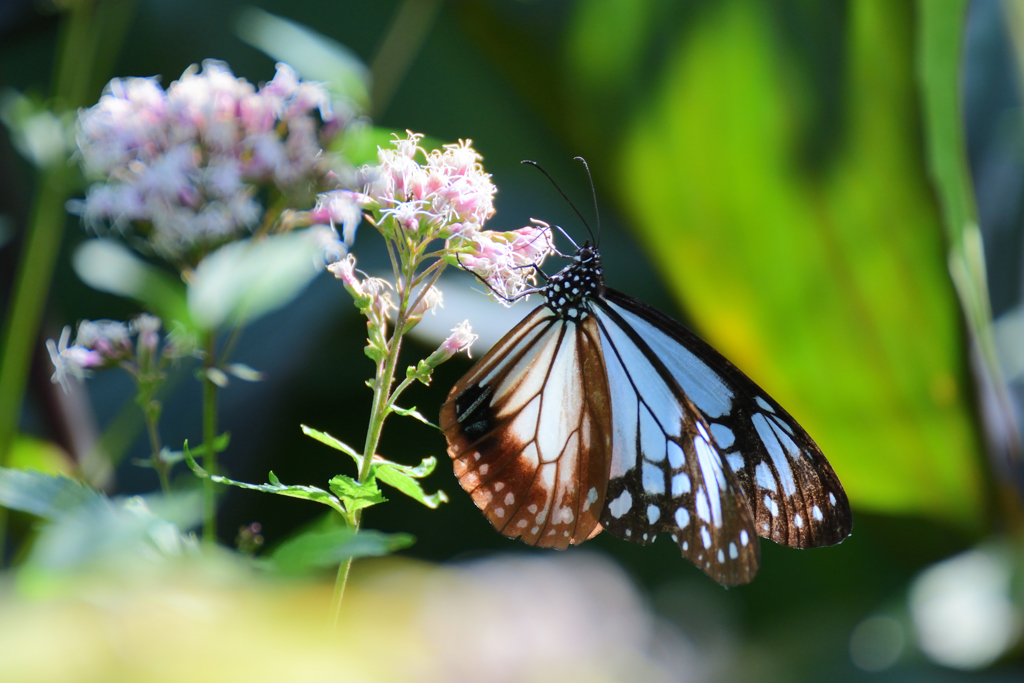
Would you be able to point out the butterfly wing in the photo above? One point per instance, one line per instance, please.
(666, 473)
(528, 429)
(793, 492)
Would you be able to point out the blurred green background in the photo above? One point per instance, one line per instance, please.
(795, 180)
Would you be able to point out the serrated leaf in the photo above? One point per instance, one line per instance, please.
(356, 496)
(321, 549)
(404, 479)
(401, 477)
(43, 495)
(413, 413)
(317, 495)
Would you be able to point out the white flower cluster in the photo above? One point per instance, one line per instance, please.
(183, 166)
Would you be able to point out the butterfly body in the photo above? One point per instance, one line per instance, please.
(597, 412)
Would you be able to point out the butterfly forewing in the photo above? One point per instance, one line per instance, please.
(794, 495)
(528, 443)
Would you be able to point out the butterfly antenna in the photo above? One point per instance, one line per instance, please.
(593, 193)
(564, 196)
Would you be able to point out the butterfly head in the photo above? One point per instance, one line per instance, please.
(570, 290)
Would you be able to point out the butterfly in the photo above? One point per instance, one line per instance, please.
(598, 412)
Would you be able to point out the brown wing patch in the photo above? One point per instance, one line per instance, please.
(528, 431)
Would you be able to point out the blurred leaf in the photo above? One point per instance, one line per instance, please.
(41, 136)
(109, 266)
(314, 55)
(246, 279)
(830, 290)
(42, 495)
(244, 372)
(401, 477)
(104, 531)
(941, 27)
(356, 496)
(322, 549)
(38, 455)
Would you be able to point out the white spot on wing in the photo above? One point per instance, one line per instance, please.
(733, 550)
(653, 513)
(831, 498)
(705, 537)
(680, 484)
(676, 456)
(764, 477)
(591, 496)
(764, 404)
(653, 479)
(798, 521)
(621, 505)
(510, 498)
(816, 513)
(702, 506)
(744, 538)
(721, 556)
(735, 461)
(682, 518)
(724, 436)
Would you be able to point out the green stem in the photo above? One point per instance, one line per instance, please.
(152, 420)
(379, 411)
(209, 436)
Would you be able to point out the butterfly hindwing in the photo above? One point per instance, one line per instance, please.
(528, 430)
(666, 473)
(792, 491)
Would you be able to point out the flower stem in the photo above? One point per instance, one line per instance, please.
(381, 406)
(209, 436)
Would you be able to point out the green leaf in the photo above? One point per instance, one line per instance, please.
(312, 493)
(827, 284)
(413, 413)
(401, 477)
(315, 56)
(322, 549)
(356, 496)
(42, 495)
(246, 279)
(328, 440)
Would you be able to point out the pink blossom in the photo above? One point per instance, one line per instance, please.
(461, 339)
(190, 160)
